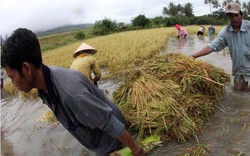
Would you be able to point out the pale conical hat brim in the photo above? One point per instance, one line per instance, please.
(84, 48)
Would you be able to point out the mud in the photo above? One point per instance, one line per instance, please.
(226, 134)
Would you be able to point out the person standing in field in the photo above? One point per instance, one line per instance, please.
(235, 36)
(79, 106)
(211, 30)
(86, 63)
(201, 31)
(181, 32)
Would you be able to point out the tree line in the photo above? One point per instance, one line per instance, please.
(172, 14)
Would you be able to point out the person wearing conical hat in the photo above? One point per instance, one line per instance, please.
(86, 63)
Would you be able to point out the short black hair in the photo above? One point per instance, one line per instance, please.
(21, 46)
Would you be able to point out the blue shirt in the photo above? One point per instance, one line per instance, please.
(238, 44)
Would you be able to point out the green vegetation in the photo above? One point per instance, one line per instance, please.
(186, 10)
(141, 21)
(80, 35)
(104, 27)
(174, 14)
(58, 40)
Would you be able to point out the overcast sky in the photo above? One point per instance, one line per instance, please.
(46, 14)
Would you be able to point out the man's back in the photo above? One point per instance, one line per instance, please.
(97, 123)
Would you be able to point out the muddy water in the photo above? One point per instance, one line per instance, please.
(227, 133)
(23, 134)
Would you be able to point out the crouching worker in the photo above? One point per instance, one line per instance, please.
(86, 63)
(211, 30)
(201, 31)
(181, 32)
(79, 106)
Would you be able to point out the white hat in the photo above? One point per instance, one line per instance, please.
(233, 7)
(84, 48)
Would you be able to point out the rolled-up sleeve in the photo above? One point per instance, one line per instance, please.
(218, 43)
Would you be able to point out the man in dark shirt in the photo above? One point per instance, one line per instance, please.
(80, 107)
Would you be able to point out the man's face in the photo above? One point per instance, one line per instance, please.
(22, 82)
(235, 19)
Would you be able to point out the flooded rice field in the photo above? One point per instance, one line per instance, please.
(227, 133)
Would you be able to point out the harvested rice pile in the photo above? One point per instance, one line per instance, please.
(171, 95)
(48, 117)
(12, 90)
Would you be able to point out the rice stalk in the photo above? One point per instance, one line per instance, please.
(170, 95)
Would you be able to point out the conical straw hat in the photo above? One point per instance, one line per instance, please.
(84, 48)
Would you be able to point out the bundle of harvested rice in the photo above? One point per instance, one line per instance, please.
(192, 76)
(10, 89)
(170, 95)
(48, 117)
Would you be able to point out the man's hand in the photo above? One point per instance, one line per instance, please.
(192, 57)
(140, 153)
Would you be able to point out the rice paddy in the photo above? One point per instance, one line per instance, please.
(170, 95)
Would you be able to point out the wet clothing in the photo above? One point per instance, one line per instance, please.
(238, 44)
(86, 64)
(83, 109)
(211, 30)
(181, 33)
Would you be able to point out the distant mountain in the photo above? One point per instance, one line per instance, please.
(63, 29)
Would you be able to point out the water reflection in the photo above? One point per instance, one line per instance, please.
(191, 44)
(181, 43)
(194, 43)
(201, 38)
(211, 37)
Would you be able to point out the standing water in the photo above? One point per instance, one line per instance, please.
(226, 134)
